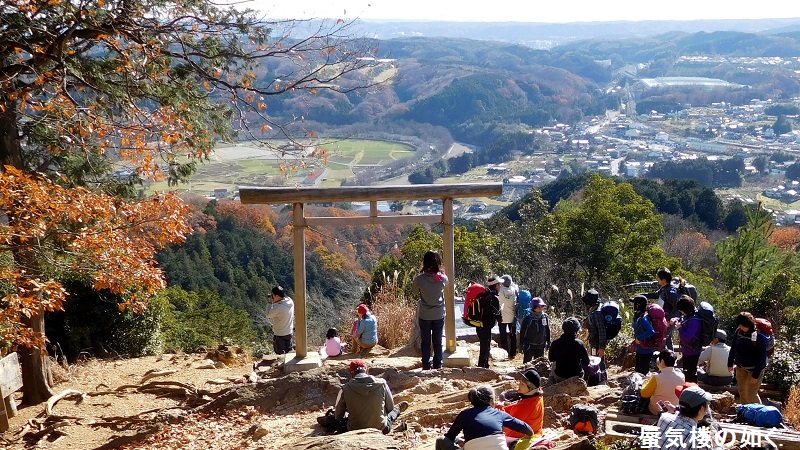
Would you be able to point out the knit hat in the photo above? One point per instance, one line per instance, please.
(571, 326)
(358, 366)
(362, 309)
(639, 302)
(591, 297)
(532, 378)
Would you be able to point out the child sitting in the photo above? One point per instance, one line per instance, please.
(333, 345)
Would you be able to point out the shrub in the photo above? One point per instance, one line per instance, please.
(782, 369)
(395, 313)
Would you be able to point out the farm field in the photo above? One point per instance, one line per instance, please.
(247, 163)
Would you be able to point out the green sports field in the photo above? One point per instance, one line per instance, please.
(248, 164)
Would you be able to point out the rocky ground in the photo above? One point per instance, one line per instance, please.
(199, 401)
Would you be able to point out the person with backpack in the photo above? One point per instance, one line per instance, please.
(661, 386)
(482, 424)
(667, 295)
(490, 315)
(568, 353)
(428, 286)
(535, 334)
(715, 357)
(690, 329)
(507, 293)
(643, 332)
(595, 324)
(749, 356)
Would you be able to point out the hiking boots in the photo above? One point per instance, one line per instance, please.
(403, 405)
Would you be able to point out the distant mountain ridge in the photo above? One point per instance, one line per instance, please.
(546, 35)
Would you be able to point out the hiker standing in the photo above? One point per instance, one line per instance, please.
(595, 323)
(366, 332)
(568, 353)
(507, 295)
(490, 315)
(363, 402)
(482, 424)
(429, 287)
(535, 331)
(690, 329)
(643, 332)
(749, 355)
(715, 357)
(281, 314)
(667, 295)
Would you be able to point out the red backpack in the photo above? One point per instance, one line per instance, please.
(764, 326)
(657, 317)
(472, 314)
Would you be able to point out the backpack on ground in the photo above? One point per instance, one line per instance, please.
(759, 415)
(685, 288)
(632, 401)
(764, 326)
(710, 323)
(592, 374)
(473, 314)
(583, 419)
(658, 318)
(612, 319)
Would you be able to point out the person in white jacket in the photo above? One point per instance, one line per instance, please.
(715, 357)
(281, 314)
(507, 294)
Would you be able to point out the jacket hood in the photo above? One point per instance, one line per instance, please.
(364, 384)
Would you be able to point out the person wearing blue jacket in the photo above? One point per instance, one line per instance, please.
(366, 331)
(535, 335)
(643, 331)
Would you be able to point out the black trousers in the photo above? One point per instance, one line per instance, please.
(508, 338)
(643, 362)
(690, 367)
(530, 353)
(485, 339)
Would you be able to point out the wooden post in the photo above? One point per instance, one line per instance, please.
(449, 269)
(10, 382)
(300, 328)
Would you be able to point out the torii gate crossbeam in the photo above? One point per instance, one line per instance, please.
(298, 197)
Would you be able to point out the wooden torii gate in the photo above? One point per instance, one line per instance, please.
(298, 197)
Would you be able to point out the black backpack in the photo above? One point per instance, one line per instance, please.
(710, 323)
(583, 419)
(685, 288)
(612, 319)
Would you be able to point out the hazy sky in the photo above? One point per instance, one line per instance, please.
(526, 10)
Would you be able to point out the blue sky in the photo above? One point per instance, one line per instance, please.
(525, 10)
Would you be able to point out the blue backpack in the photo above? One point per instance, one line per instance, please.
(759, 415)
(524, 304)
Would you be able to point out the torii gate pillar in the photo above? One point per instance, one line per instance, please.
(301, 359)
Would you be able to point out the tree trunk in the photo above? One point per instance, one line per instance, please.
(36, 375)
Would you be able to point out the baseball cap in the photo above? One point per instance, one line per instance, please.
(694, 396)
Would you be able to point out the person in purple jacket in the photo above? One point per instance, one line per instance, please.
(690, 329)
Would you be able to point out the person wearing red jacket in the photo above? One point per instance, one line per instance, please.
(529, 408)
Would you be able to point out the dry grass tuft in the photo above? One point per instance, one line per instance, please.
(395, 315)
(791, 412)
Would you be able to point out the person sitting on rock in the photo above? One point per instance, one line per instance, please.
(529, 407)
(678, 428)
(482, 424)
(568, 353)
(715, 358)
(365, 335)
(661, 386)
(365, 402)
